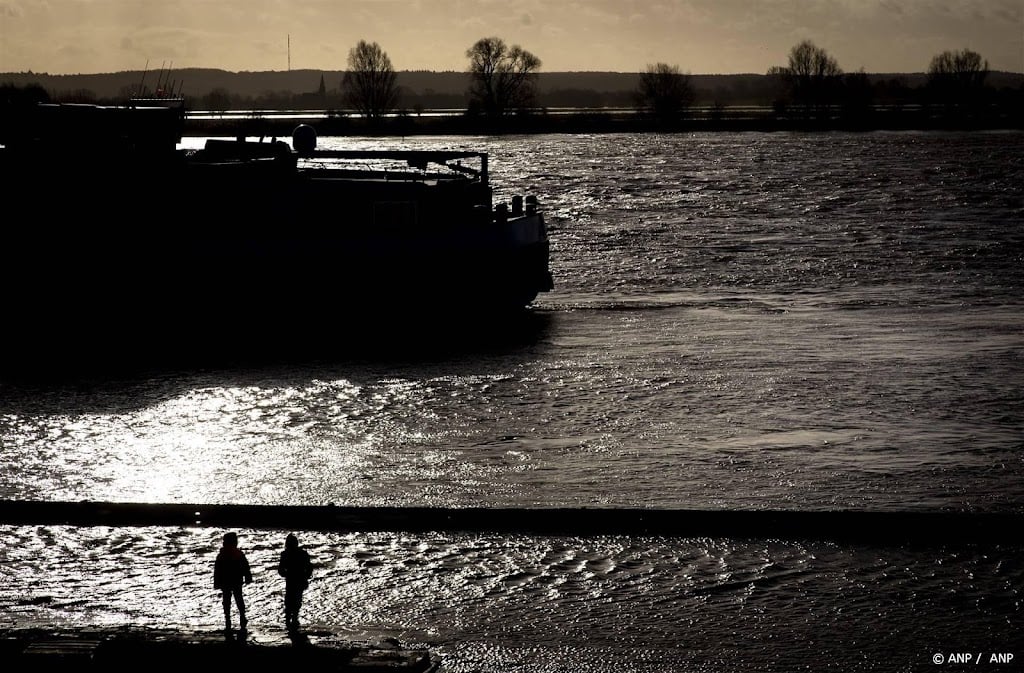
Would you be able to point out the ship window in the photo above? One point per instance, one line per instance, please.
(394, 213)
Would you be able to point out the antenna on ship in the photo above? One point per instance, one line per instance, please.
(167, 80)
(289, 52)
(142, 82)
(160, 75)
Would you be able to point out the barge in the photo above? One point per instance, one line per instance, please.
(116, 238)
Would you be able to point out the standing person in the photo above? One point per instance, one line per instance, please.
(296, 568)
(230, 572)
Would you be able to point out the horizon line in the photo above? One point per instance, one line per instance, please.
(447, 71)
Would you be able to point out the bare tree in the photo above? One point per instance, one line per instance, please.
(369, 84)
(664, 91)
(857, 94)
(217, 100)
(957, 76)
(502, 78)
(811, 76)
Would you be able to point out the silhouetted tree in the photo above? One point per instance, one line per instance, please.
(369, 85)
(812, 76)
(894, 91)
(275, 100)
(82, 95)
(664, 91)
(28, 95)
(857, 95)
(502, 78)
(957, 76)
(218, 100)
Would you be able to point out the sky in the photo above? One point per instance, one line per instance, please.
(698, 36)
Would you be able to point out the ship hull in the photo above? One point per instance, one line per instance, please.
(117, 257)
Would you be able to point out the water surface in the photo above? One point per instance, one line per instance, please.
(739, 321)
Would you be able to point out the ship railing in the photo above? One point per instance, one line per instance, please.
(419, 159)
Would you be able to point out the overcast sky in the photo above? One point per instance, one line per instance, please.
(699, 36)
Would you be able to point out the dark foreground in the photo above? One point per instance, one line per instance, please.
(127, 649)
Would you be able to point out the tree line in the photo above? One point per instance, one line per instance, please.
(502, 82)
(502, 79)
(813, 83)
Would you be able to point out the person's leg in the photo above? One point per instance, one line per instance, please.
(226, 601)
(290, 612)
(240, 601)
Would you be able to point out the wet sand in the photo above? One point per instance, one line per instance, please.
(135, 649)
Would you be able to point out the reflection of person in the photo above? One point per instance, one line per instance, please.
(230, 571)
(296, 568)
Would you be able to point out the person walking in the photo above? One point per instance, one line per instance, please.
(296, 569)
(230, 572)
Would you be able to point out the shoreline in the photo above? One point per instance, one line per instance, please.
(598, 122)
(923, 527)
(126, 647)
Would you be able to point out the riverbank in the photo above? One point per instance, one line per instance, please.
(126, 648)
(596, 121)
(926, 527)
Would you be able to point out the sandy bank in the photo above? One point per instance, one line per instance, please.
(127, 648)
(927, 527)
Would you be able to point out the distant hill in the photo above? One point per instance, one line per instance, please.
(200, 81)
(431, 89)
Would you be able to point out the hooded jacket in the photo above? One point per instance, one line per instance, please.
(295, 565)
(231, 569)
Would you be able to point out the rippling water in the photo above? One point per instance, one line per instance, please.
(740, 321)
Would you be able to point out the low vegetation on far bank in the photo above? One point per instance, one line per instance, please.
(597, 121)
(503, 90)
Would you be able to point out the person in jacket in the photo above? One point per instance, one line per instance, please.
(230, 572)
(296, 568)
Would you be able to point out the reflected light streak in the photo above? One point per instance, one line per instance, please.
(217, 444)
(322, 441)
